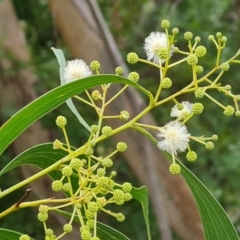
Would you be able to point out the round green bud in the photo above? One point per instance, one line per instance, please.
(57, 186)
(225, 66)
(67, 187)
(237, 97)
(191, 156)
(107, 162)
(120, 217)
(199, 93)
(175, 31)
(121, 146)
(165, 24)
(67, 171)
(106, 131)
(92, 207)
(67, 228)
(218, 34)
(224, 39)
(209, 145)
(197, 39)
(119, 70)
(174, 168)
(188, 35)
(132, 58)
(49, 232)
(197, 108)
(57, 144)
(75, 163)
(42, 217)
(200, 51)
(180, 106)
(95, 238)
(228, 87)
(86, 235)
(175, 49)
(106, 183)
(199, 69)
(124, 115)
(95, 65)
(101, 172)
(118, 196)
(89, 215)
(61, 121)
(192, 59)
(210, 37)
(214, 137)
(162, 53)
(166, 83)
(127, 197)
(229, 110)
(94, 128)
(24, 237)
(113, 174)
(133, 76)
(127, 187)
(43, 208)
(90, 223)
(96, 95)
(237, 113)
(101, 202)
(89, 151)
(78, 205)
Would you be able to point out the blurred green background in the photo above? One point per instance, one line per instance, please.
(130, 23)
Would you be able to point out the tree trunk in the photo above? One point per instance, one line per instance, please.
(87, 37)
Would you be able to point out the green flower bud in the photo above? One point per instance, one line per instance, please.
(57, 144)
(225, 66)
(165, 24)
(199, 69)
(192, 59)
(90, 223)
(229, 110)
(197, 39)
(214, 137)
(209, 145)
(237, 113)
(124, 115)
(133, 76)
(200, 51)
(132, 58)
(224, 39)
(166, 83)
(42, 217)
(228, 87)
(67, 171)
(218, 34)
(210, 37)
(67, 228)
(197, 108)
(101, 172)
(57, 186)
(199, 93)
(89, 151)
(101, 202)
(75, 163)
(113, 174)
(175, 31)
(86, 235)
(43, 208)
(191, 156)
(175, 168)
(96, 95)
(188, 35)
(127, 197)
(162, 53)
(95, 238)
(121, 146)
(120, 217)
(67, 187)
(93, 207)
(106, 131)
(118, 196)
(24, 237)
(107, 162)
(49, 232)
(94, 128)
(61, 121)
(119, 70)
(95, 65)
(127, 187)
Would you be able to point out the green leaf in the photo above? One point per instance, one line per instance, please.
(103, 231)
(62, 64)
(216, 224)
(6, 234)
(51, 100)
(141, 194)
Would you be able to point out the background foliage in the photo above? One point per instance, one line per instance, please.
(130, 23)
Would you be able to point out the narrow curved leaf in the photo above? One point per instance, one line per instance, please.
(62, 64)
(6, 234)
(51, 100)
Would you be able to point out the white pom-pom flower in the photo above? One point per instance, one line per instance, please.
(173, 137)
(76, 69)
(154, 42)
(185, 111)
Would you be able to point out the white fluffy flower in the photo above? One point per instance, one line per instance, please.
(185, 111)
(173, 137)
(154, 42)
(76, 69)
